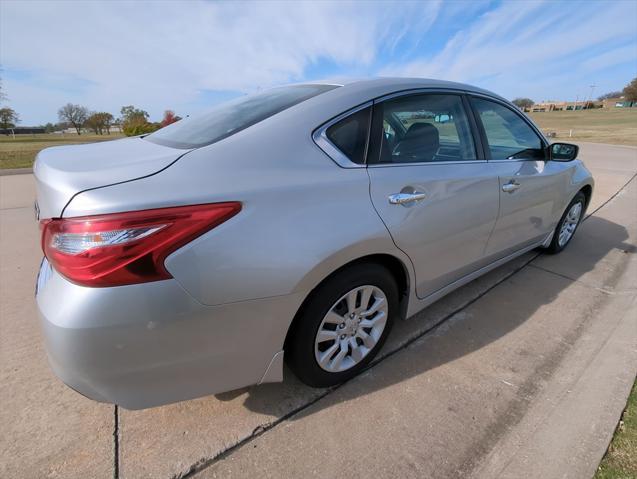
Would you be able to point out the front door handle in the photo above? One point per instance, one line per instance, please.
(511, 186)
(402, 198)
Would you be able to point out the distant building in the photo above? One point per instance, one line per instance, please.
(72, 131)
(618, 102)
(549, 106)
(554, 105)
(21, 130)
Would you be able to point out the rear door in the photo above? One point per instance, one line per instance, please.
(529, 186)
(431, 186)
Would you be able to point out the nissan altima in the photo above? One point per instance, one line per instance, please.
(295, 225)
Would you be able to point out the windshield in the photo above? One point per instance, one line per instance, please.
(231, 117)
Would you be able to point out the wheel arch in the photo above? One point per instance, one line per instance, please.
(588, 193)
(396, 266)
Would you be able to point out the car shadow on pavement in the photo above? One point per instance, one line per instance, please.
(452, 333)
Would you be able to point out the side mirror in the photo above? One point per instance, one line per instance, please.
(563, 152)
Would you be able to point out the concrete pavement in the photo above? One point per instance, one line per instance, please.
(48, 430)
(524, 376)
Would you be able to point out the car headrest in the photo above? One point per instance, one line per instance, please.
(418, 129)
(420, 143)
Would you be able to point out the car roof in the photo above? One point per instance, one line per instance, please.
(391, 84)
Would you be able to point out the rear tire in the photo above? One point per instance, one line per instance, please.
(568, 224)
(343, 325)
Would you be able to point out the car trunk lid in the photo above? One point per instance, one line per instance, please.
(63, 171)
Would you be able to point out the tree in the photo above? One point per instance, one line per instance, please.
(169, 117)
(107, 121)
(523, 103)
(99, 121)
(49, 128)
(94, 123)
(135, 121)
(8, 118)
(131, 113)
(76, 115)
(630, 90)
(610, 94)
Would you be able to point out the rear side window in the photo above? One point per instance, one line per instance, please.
(350, 135)
(423, 128)
(508, 135)
(229, 118)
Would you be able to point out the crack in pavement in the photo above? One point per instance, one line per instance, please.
(564, 276)
(116, 442)
(16, 208)
(260, 430)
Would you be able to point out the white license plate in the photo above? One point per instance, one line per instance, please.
(43, 275)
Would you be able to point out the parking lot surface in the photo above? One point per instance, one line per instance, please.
(521, 373)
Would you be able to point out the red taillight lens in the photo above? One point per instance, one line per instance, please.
(126, 248)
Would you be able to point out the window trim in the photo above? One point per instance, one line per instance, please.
(374, 147)
(483, 153)
(483, 133)
(330, 149)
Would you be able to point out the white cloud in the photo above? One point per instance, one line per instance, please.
(161, 54)
(613, 57)
(533, 47)
(164, 54)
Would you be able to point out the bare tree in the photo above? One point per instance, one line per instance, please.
(610, 94)
(76, 115)
(630, 90)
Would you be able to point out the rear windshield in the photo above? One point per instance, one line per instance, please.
(229, 118)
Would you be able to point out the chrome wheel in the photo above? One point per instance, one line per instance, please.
(351, 329)
(570, 224)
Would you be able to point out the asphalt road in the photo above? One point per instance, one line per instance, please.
(521, 373)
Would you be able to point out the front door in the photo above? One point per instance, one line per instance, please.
(438, 200)
(529, 186)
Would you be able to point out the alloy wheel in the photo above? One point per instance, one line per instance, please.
(351, 328)
(570, 223)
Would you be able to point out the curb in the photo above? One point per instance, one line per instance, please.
(15, 171)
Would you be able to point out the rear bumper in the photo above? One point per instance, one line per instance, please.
(150, 344)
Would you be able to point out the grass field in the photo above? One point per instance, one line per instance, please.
(614, 125)
(617, 126)
(20, 152)
(620, 462)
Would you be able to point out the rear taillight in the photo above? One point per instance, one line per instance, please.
(126, 248)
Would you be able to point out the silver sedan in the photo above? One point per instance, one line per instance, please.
(296, 224)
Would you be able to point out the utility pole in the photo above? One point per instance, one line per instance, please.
(590, 96)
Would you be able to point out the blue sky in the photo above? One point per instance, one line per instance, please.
(192, 54)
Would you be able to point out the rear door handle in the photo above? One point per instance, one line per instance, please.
(402, 198)
(511, 186)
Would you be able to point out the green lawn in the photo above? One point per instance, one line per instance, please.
(20, 152)
(605, 125)
(617, 126)
(620, 462)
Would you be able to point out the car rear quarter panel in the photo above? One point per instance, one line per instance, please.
(302, 216)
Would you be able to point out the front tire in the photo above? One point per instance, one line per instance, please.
(568, 224)
(343, 325)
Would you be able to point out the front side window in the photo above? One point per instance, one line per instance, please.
(508, 135)
(424, 128)
(229, 118)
